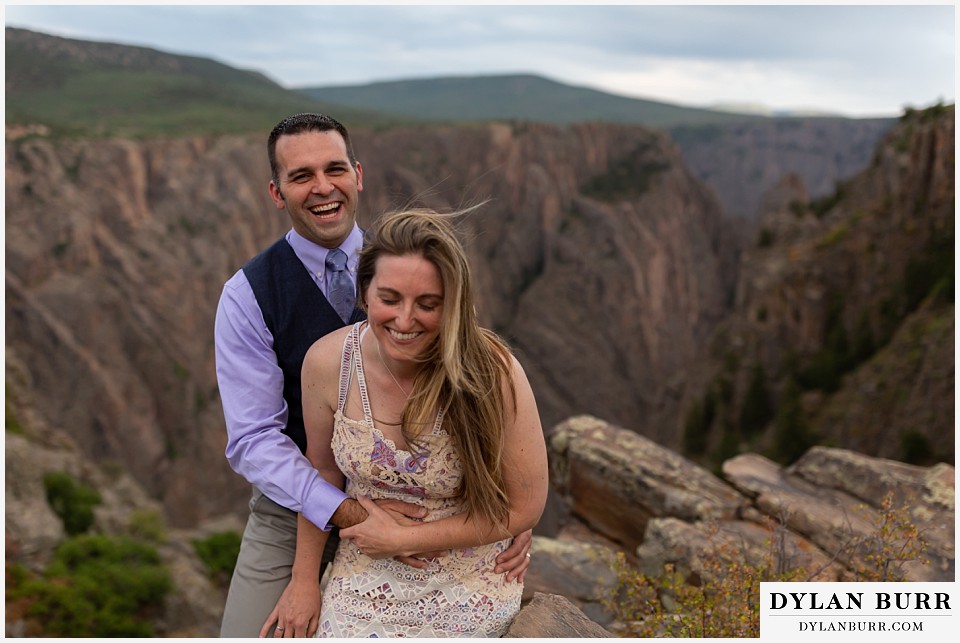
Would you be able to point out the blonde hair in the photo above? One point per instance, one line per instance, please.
(465, 369)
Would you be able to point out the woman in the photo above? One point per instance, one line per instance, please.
(421, 404)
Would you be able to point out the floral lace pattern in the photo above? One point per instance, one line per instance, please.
(457, 594)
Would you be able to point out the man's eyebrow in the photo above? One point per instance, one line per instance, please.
(297, 170)
(309, 168)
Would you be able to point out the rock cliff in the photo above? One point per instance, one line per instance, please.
(598, 255)
(742, 162)
(842, 326)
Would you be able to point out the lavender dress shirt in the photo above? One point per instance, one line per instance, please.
(251, 389)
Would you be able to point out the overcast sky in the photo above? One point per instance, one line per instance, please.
(860, 60)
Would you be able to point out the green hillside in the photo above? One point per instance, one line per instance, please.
(82, 88)
(521, 97)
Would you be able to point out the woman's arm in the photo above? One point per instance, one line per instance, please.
(525, 477)
(297, 612)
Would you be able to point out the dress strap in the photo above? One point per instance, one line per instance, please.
(346, 363)
(361, 380)
(354, 339)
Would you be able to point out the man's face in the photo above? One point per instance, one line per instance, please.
(317, 185)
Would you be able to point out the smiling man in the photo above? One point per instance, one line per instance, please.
(270, 312)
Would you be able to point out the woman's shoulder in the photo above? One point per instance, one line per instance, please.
(329, 348)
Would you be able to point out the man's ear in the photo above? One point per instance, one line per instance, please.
(359, 177)
(277, 196)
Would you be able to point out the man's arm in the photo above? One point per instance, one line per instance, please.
(251, 389)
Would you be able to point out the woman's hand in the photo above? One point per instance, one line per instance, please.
(516, 559)
(297, 613)
(379, 536)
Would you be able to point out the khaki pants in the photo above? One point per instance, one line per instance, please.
(263, 567)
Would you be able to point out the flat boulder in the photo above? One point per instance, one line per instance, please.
(616, 480)
(552, 616)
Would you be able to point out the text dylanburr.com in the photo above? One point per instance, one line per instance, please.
(855, 611)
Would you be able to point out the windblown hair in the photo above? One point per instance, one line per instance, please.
(298, 124)
(467, 369)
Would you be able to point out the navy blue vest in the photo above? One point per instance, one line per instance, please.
(297, 315)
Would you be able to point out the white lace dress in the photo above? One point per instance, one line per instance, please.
(458, 594)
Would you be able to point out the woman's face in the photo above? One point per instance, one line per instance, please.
(405, 305)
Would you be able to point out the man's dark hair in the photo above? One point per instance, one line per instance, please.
(298, 124)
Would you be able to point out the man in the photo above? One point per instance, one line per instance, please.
(270, 312)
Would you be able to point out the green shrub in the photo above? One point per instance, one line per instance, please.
(724, 604)
(695, 430)
(766, 238)
(833, 236)
(98, 586)
(824, 204)
(823, 372)
(826, 369)
(73, 502)
(219, 552)
(930, 272)
(915, 448)
(864, 345)
(630, 176)
(12, 422)
(792, 435)
(757, 410)
(148, 525)
(894, 542)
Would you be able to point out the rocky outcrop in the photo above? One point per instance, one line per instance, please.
(636, 478)
(833, 519)
(553, 616)
(582, 572)
(823, 514)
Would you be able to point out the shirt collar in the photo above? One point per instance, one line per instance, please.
(313, 256)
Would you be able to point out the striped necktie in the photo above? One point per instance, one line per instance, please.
(340, 290)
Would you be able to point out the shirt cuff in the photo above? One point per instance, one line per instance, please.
(324, 500)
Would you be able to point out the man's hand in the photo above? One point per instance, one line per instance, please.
(407, 514)
(351, 513)
(515, 560)
(297, 613)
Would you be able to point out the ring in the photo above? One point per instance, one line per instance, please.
(359, 553)
(280, 629)
(528, 554)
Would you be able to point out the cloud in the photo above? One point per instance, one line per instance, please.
(856, 58)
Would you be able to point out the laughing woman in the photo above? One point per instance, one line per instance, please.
(421, 404)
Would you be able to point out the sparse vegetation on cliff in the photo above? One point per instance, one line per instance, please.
(96, 586)
(722, 599)
(219, 553)
(72, 501)
(825, 310)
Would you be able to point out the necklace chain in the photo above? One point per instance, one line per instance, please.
(392, 376)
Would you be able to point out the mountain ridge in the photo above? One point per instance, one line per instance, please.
(739, 158)
(509, 96)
